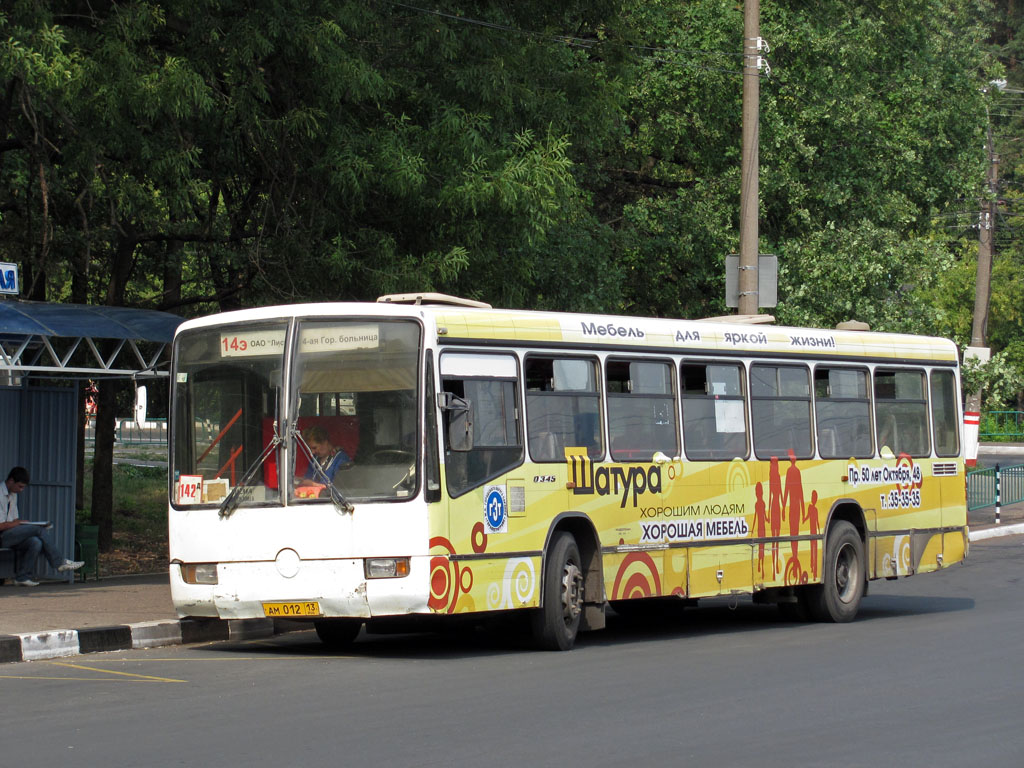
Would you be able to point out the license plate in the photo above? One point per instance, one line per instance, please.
(286, 610)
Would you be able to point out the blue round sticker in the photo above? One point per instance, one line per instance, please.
(494, 509)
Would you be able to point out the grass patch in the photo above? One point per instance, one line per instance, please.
(140, 518)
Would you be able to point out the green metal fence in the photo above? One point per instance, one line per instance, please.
(1002, 425)
(982, 484)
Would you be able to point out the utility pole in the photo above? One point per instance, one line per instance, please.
(982, 291)
(749, 251)
(983, 284)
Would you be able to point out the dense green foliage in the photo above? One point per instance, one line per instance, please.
(207, 154)
(584, 156)
(241, 153)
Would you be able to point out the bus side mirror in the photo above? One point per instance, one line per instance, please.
(459, 413)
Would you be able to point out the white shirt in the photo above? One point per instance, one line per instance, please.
(8, 504)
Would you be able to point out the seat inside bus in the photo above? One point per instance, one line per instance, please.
(343, 432)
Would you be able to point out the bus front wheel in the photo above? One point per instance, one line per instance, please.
(557, 621)
(838, 597)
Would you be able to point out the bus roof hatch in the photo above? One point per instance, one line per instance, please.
(431, 298)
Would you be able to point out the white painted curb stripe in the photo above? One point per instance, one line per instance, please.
(248, 629)
(992, 533)
(49, 645)
(154, 634)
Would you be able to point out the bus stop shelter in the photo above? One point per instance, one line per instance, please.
(44, 348)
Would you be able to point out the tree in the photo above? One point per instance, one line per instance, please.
(871, 126)
(183, 155)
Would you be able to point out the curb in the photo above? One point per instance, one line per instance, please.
(1000, 449)
(57, 643)
(995, 532)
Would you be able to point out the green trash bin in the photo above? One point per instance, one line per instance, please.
(87, 548)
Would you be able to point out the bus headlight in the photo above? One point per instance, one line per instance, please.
(199, 573)
(386, 567)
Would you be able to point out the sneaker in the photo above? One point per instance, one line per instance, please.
(26, 583)
(70, 565)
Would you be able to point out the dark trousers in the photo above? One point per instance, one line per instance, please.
(28, 541)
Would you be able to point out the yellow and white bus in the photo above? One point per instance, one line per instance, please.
(426, 455)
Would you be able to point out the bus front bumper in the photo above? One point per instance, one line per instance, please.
(313, 588)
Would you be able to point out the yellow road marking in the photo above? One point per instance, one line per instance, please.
(116, 672)
(246, 658)
(138, 678)
(78, 679)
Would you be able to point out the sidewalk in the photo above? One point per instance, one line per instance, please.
(121, 612)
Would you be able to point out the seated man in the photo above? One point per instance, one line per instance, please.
(327, 458)
(25, 538)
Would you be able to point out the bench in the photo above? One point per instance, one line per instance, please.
(6, 563)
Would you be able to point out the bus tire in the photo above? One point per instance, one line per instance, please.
(337, 633)
(557, 621)
(838, 597)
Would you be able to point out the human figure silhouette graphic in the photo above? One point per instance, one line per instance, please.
(760, 520)
(775, 509)
(811, 517)
(794, 493)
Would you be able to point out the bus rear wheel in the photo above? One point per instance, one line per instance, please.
(337, 633)
(557, 621)
(838, 597)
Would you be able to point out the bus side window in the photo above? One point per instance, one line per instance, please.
(641, 410)
(945, 419)
(563, 407)
(843, 412)
(494, 402)
(781, 407)
(901, 411)
(714, 411)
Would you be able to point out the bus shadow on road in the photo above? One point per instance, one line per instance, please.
(424, 644)
(894, 606)
(510, 634)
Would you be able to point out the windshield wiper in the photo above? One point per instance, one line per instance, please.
(341, 504)
(233, 499)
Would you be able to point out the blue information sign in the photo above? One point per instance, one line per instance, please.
(494, 509)
(9, 278)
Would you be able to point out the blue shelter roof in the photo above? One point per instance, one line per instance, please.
(37, 318)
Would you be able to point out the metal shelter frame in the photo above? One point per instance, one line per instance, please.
(65, 340)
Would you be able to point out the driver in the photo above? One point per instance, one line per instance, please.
(328, 458)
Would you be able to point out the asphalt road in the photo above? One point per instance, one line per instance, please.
(929, 675)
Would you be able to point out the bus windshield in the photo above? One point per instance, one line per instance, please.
(349, 418)
(226, 406)
(354, 398)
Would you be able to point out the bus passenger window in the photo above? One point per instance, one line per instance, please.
(563, 407)
(641, 410)
(945, 421)
(714, 411)
(497, 441)
(901, 412)
(780, 402)
(843, 413)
